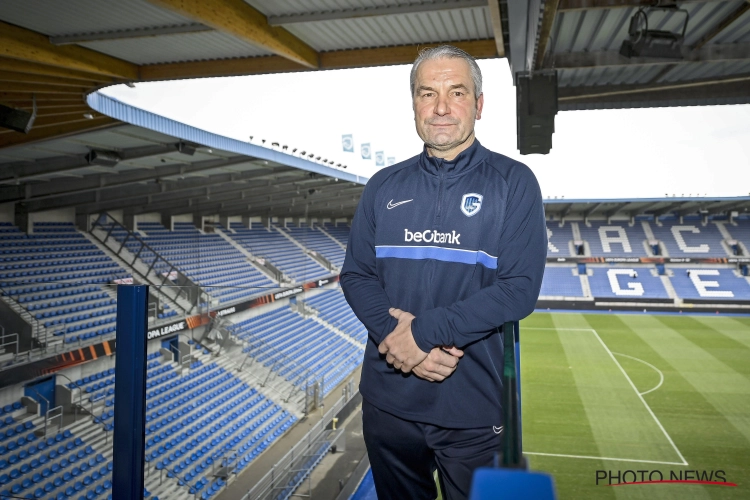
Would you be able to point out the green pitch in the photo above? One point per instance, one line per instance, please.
(625, 392)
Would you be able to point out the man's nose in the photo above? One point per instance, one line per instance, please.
(441, 106)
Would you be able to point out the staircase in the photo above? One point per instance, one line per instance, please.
(101, 236)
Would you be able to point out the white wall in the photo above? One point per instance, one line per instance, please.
(59, 215)
(7, 211)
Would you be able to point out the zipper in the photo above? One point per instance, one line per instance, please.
(438, 213)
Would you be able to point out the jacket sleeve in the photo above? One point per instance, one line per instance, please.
(520, 267)
(359, 279)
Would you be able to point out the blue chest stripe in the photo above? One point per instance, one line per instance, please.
(436, 253)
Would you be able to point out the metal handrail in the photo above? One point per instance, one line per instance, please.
(36, 326)
(4, 344)
(267, 483)
(109, 226)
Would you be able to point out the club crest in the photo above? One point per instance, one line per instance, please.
(471, 203)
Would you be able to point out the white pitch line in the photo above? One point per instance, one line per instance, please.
(603, 458)
(661, 375)
(684, 462)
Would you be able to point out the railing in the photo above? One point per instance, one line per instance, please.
(281, 360)
(4, 343)
(51, 413)
(278, 477)
(107, 224)
(38, 331)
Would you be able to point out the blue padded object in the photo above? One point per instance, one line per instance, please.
(491, 484)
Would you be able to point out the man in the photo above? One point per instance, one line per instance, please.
(445, 247)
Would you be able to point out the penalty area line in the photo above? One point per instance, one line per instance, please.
(560, 455)
(650, 411)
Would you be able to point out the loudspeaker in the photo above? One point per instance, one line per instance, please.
(536, 107)
(16, 119)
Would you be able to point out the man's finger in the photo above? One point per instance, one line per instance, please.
(382, 348)
(454, 351)
(395, 312)
(439, 357)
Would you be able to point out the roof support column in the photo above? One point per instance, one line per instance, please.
(167, 221)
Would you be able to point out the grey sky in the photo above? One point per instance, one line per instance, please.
(596, 154)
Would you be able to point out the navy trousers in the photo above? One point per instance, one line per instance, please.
(403, 455)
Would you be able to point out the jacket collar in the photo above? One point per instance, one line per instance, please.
(465, 160)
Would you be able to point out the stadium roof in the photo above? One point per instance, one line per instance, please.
(159, 165)
(656, 207)
(57, 53)
(581, 39)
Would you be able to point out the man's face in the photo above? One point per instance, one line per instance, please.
(444, 105)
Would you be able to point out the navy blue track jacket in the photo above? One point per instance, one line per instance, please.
(461, 245)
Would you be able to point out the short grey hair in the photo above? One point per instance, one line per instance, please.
(448, 52)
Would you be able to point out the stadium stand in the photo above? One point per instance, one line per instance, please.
(207, 259)
(282, 252)
(298, 348)
(334, 309)
(197, 416)
(56, 275)
(740, 230)
(709, 283)
(689, 239)
(339, 232)
(558, 239)
(634, 282)
(561, 281)
(616, 238)
(314, 239)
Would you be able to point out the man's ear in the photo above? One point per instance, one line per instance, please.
(480, 104)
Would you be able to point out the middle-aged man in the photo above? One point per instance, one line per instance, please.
(444, 248)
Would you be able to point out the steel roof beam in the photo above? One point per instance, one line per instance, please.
(157, 197)
(152, 199)
(110, 185)
(669, 208)
(233, 208)
(612, 58)
(178, 29)
(723, 24)
(27, 45)
(496, 17)
(336, 59)
(161, 196)
(568, 5)
(238, 18)
(386, 10)
(599, 91)
(230, 197)
(26, 170)
(589, 212)
(613, 211)
(57, 131)
(545, 32)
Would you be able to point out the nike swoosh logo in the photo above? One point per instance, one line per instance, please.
(497, 430)
(394, 205)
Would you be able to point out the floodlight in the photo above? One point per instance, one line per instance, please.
(645, 42)
(102, 158)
